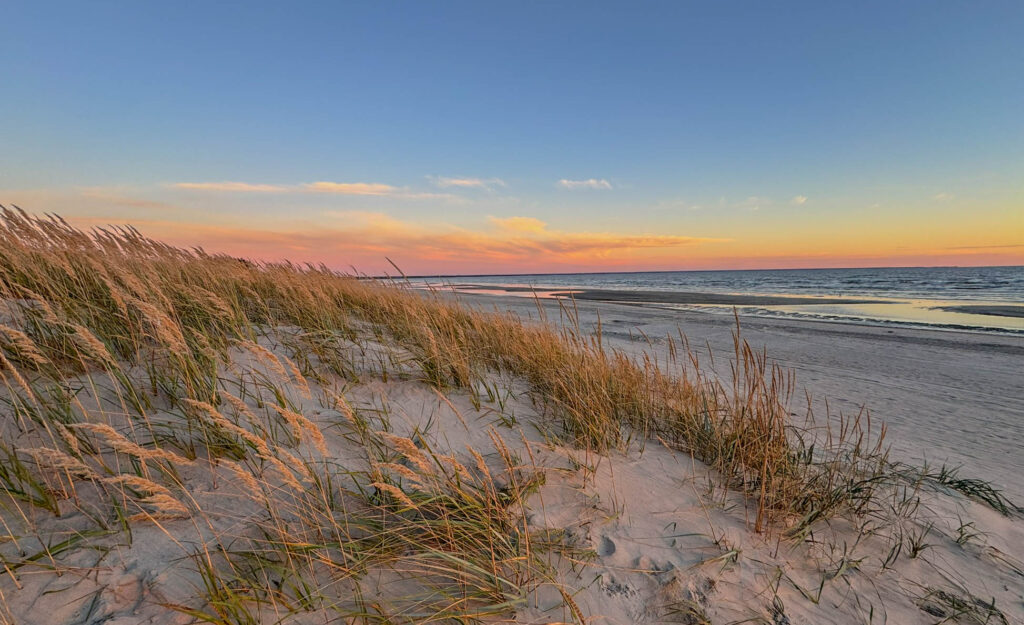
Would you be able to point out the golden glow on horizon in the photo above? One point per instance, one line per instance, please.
(519, 224)
(363, 240)
(744, 239)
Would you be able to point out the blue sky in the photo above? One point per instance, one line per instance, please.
(705, 121)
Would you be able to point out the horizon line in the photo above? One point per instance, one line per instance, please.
(591, 273)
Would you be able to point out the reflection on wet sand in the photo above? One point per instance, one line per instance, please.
(980, 316)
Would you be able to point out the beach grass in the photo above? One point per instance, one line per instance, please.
(138, 377)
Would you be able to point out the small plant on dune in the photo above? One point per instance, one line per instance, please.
(954, 606)
(453, 539)
(974, 488)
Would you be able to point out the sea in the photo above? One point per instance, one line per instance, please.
(979, 299)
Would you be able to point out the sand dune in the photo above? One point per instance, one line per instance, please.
(946, 396)
(649, 533)
(187, 438)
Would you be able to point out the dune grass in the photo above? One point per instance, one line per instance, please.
(127, 363)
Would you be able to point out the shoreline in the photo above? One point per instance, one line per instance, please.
(437, 276)
(941, 392)
(889, 313)
(672, 297)
(1008, 310)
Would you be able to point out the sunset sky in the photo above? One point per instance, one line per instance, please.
(481, 137)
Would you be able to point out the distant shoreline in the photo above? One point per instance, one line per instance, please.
(614, 273)
(789, 306)
(672, 297)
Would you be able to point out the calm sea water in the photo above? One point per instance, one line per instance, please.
(912, 295)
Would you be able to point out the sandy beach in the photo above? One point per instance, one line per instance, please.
(195, 439)
(946, 396)
(498, 313)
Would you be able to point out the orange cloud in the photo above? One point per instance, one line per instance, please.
(364, 239)
(519, 224)
(523, 244)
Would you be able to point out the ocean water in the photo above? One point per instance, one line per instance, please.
(917, 296)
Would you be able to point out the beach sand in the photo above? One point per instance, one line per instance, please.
(994, 311)
(946, 396)
(644, 534)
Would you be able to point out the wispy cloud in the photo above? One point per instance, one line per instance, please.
(800, 200)
(365, 238)
(519, 224)
(351, 188)
(467, 183)
(327, 187)
(244, 187)
(590, 183)
(942, 197)
(753, 203)
(517, 239)
(375, 189)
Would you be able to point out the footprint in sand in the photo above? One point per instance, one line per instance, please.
(606, 548)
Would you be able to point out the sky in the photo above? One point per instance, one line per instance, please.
(503, 137)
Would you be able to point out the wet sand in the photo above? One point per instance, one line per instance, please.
(983, 309)
(670, 297)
